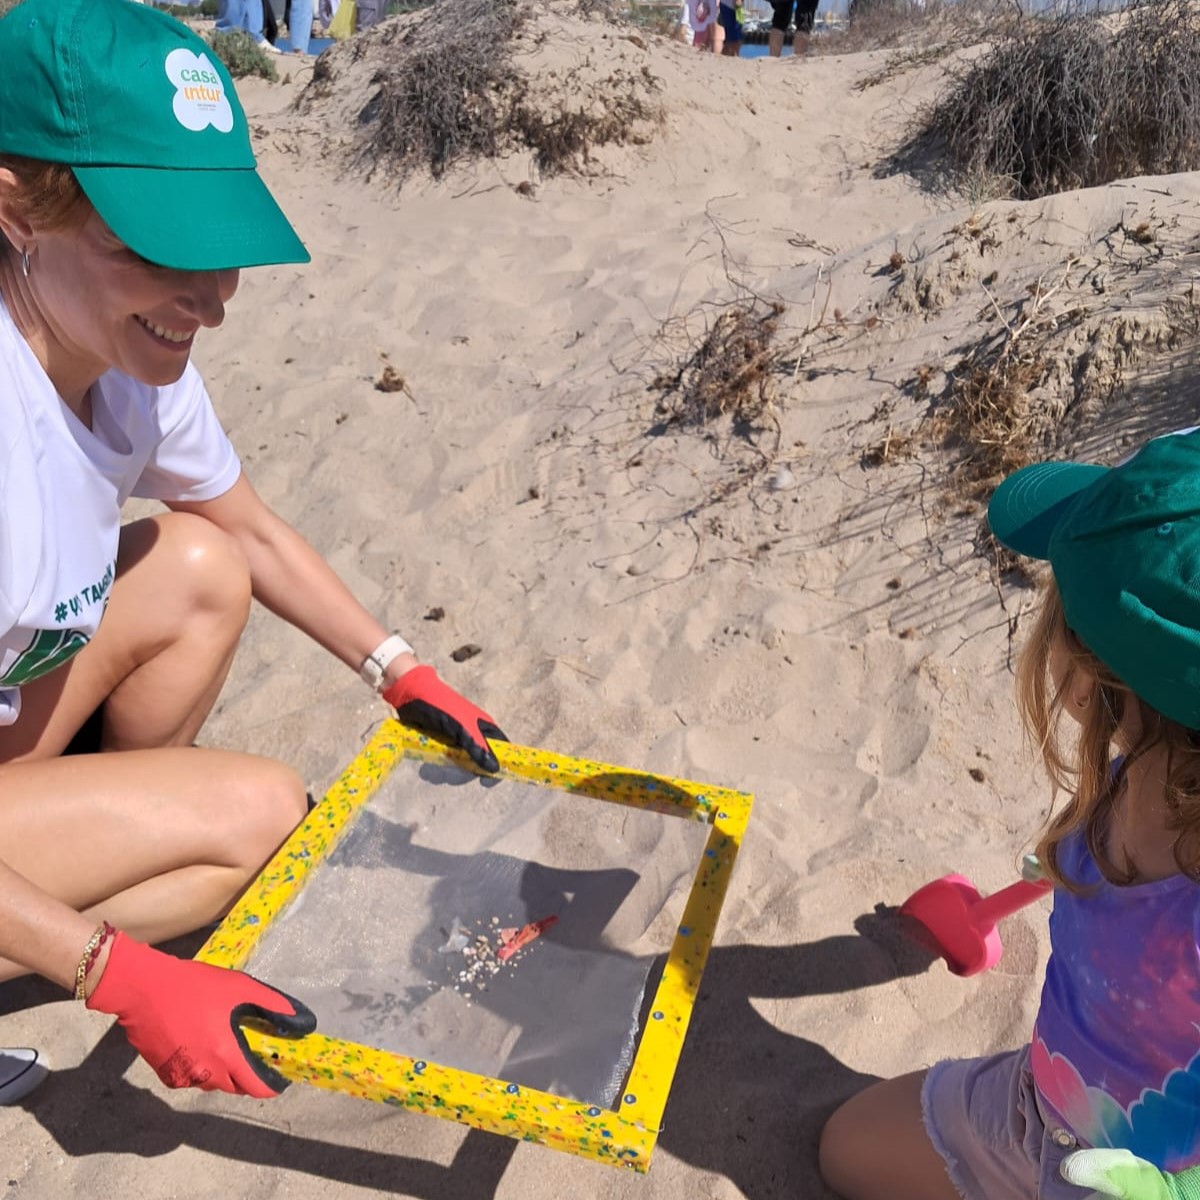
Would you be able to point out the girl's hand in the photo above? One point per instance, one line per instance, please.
(423, 701)
(1119, 1173)
(184, 1018)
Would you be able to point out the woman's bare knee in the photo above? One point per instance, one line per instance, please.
(269, 807)
(208, 570)
(157, 662)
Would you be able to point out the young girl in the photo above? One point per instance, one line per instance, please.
(699, 19)
(1114, 1060)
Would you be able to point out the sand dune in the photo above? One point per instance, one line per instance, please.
(832, 643)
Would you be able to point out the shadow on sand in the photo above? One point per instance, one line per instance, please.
(748, 1101)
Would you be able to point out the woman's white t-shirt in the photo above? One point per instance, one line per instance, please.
(62, 486)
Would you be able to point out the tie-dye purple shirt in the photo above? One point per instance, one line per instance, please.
(1116, 1050)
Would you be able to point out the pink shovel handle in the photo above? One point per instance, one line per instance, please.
(1008, 900)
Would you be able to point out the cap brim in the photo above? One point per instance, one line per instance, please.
(1027, 507)
(208, 220)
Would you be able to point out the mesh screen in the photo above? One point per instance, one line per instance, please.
(396, 941)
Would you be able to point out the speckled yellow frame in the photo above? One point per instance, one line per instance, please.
(624, 1136)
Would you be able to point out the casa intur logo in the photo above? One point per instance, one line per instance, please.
(200, 98)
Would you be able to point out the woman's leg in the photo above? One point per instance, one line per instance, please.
(177, 609)
(254, 17)
(157, 837)
(158, 842)
(300, 25)
(229, 14)
(875, 1146)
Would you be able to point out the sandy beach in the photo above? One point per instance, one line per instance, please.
(801, 613)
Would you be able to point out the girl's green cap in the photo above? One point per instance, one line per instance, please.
(1124, 545)
(145, 114)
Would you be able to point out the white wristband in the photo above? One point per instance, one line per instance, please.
(380, 658)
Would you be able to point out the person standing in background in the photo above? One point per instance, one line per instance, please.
(299, 23)
(729, 40)
(246, 15)
(806, 13)
(698, 24)
(370, 12)
(273, 13)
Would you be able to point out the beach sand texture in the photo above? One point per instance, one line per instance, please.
(812, 628)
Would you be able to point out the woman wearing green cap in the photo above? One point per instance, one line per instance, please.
(115, 831)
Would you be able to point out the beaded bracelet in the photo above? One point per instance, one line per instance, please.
(91, 952)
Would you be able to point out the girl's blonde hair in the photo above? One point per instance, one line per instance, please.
(1084, 769)
(47, 195)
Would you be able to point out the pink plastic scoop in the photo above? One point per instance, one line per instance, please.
(963, 923)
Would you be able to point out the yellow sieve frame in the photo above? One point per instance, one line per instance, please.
(621, 1136)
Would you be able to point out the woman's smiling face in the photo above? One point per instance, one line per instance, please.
(100, 306)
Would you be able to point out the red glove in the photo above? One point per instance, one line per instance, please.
(183, 1018)
(423, 701)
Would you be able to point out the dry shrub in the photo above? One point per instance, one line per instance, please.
(450, 91)
(877, 23)
(1155, 122)
(731, 371)
(442, 99)
(988, 414)
(925, 29)
(1062, 102)
(1031, 112)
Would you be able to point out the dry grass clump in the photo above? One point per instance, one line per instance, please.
(895, 446)
(563, 138)
(988, 418)
(731, 371)
(450, 90)
(990, 413)
(1064, 102)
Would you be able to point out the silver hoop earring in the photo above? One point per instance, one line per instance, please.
(25, 263)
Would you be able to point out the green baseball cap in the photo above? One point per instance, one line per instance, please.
(146, 116)
(1124, 545)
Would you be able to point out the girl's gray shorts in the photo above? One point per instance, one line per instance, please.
(983, 1118)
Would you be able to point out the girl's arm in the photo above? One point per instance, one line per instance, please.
(297, 584)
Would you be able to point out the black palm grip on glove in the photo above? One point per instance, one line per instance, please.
(423, 701)
(297, 1023)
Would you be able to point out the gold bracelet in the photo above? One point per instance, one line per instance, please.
(87, 960)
